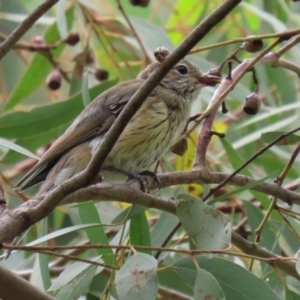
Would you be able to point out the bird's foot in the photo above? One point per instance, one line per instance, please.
(153, 175)
(141, 177)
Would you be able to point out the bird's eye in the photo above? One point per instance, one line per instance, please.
(183, 70)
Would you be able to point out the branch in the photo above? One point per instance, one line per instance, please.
(25, 26)
(14, 222)
(21, 287)
(131, 193)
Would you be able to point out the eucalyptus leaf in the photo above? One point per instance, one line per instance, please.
(78, 285)
(235, 281)
(207, 287)
(71, 272)
(206, 226)
(137, 278)
(17, 148)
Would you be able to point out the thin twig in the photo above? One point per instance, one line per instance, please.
(191, 252)
(120, 7)
(258, 153)
(25, 26)
(288, 33)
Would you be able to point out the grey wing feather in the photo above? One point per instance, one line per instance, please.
(95, 119)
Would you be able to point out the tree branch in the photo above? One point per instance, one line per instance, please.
(13, 286)
(25, 26)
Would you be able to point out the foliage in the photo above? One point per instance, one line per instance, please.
(32, 116)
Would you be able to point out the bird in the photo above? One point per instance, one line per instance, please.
(147, 137)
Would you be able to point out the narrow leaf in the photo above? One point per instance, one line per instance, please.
(140, 233)
(89, 215)
(10, 145)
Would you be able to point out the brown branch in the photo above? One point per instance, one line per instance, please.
(13, 286)
(14, 222)
(25, 26)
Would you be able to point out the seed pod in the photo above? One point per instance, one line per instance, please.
(180, 147)
(72, 38)
(100, 74)
(217, 71)
(252, 104)
(142, 3)
(161, 53)
(54, 80)
(253, 46)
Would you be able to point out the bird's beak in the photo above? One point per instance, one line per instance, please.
(210, 80)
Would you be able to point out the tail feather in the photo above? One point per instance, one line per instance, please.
(36, 175)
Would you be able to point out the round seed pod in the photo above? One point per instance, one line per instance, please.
(252, 104)
(54, 80)
(142, 3)
(161, 53)
(72, 38)
(253, 46)
(101, 74)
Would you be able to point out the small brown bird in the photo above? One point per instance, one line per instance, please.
(149, 134)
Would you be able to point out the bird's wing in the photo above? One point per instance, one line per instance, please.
(95, 119)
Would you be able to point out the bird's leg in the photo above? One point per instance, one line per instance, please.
(139, 176)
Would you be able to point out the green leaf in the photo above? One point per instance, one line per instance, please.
(206, 226)
(46, 117)
(207, 287)
(71, 272)
(78, 285)
(139, 232)
(44, 258)
(31, 144)
(290, 295)
(234, 157)
(288, 238)
(269, 137)
(255, 135)
(129, 213)
(89, 214)
(268, 236)
(293, 284)
(137, 279)
(151, 36)
(162, 228)
(17, 148)
(61, 232)
(235, 281)
(39, 67)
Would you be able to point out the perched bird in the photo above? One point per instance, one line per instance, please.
(149, 134)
